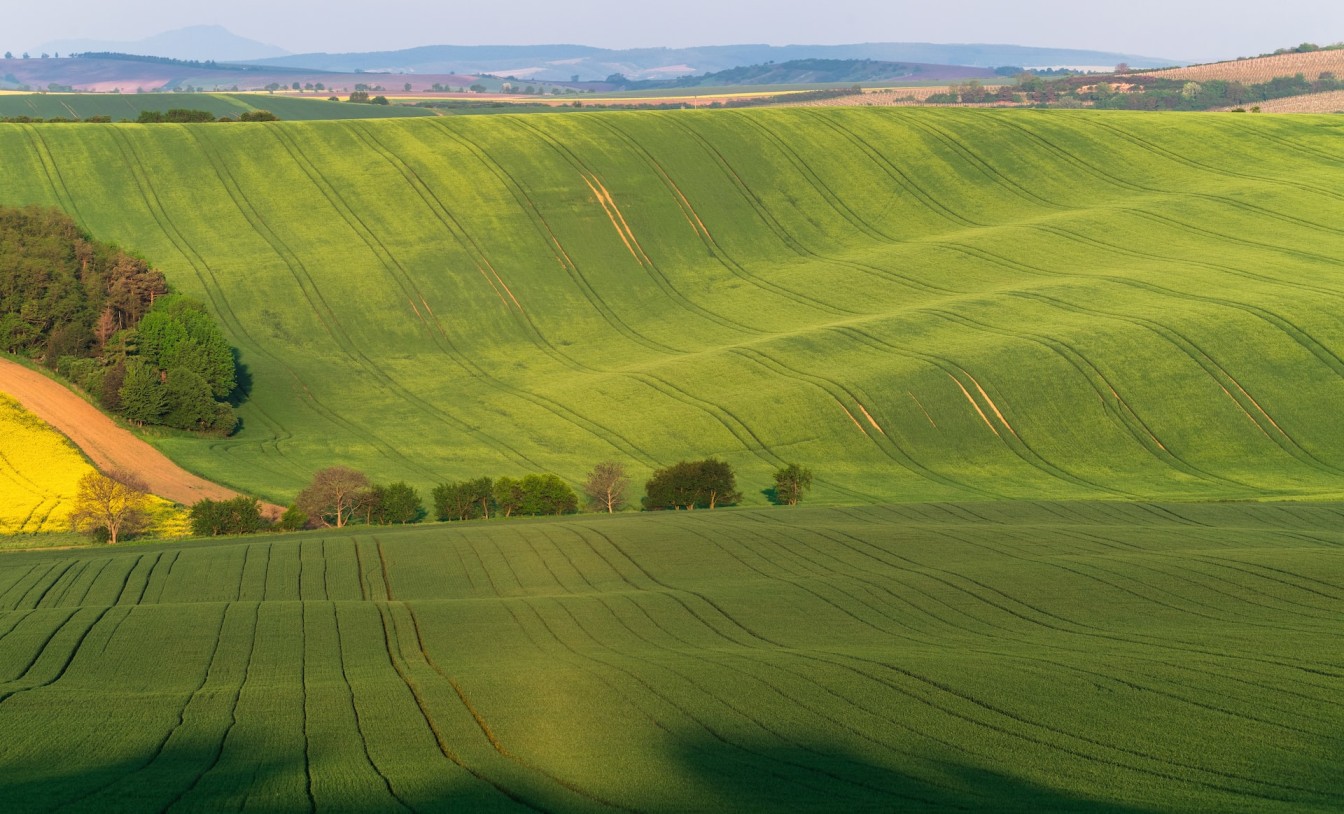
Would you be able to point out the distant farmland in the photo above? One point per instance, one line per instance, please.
(128, 106)
(1262, 69)
(1023, 657)
(920, 304)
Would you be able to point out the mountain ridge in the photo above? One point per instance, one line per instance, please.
(559, 62)
(196, 42)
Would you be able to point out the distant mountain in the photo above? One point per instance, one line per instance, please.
(817, 71)
(197, 42)
(563, 62)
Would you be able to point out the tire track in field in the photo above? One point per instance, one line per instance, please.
(385, 609)
(699, 653)
(929, 639)
(1180, 575)
(397, 659)
(488, 733)
(52, 632)
(1296, 334)
(327, 316)
(1015, 443)
(1005, 722)
(749, 197)
(1097, 743)
(202, 271)
(1115, 180)
(718, 413)
(354, 707)
(55, 179)
(885, 443)
(583, 663)
(760, 761)
(983, 167)
(651, 268)
(625, 654)
(19, 574)
(1119, 408)
(409, 287)
(9, 622)
(548, 236)
(64, 664)
(982, 593)
(197, 697)
(307, 288)
(893, 172)
(1247, 403)
(835, 201)
(1041, 741)
(1202, 167)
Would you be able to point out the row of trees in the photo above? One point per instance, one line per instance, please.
(113, 506)
(185, 116)
(482, 498)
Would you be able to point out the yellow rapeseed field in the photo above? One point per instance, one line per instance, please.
(39, 475)
(39, 472)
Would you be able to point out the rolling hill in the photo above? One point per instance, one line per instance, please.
(1094, 657)
(920, 304)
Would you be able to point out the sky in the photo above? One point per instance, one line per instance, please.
(1201, 30)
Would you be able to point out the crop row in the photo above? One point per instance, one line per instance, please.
(920, 656)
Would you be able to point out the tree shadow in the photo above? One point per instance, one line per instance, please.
(745, 776)
(242, 389)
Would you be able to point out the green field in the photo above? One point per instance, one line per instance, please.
(1002, 656)
(128, 106)
(920, 304)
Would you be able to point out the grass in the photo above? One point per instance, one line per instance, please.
(1106, 657)
(919, 304)
(128, 106)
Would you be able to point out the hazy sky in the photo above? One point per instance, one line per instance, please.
(1190, 29)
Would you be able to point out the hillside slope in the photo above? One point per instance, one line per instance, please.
(1008, 657)
(921, 304)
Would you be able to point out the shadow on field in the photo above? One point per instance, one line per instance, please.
(701, 773)
(242, 389)
(807, 777)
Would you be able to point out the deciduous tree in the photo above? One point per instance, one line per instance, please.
(791, 482)
(395, 503)
(116, 503)
(689, 484)
(606, 485)
(547, 494)
(334, 495)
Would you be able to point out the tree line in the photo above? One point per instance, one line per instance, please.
(340, 496)
(114, 506)
(107, 322)
(175, 115)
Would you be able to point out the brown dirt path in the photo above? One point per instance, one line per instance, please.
(106, 444)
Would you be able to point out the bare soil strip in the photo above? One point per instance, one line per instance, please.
(106, 444)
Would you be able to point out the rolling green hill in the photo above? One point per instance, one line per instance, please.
(919, 304)
(1008, 656)
(128, 106)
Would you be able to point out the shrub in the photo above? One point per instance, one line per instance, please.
(239, 515)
